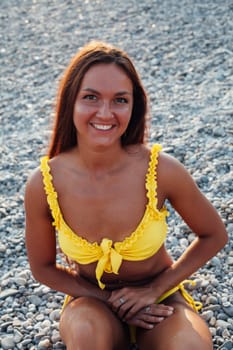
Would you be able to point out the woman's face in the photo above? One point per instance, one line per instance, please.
(103, 106)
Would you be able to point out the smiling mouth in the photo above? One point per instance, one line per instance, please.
(103, 127)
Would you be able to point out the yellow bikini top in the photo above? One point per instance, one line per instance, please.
(141, 244)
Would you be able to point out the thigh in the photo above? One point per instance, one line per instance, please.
(183, 330)
(89, 320)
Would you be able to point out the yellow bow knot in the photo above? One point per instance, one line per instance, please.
(110, 261)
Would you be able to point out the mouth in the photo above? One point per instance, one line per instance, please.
(102, 127)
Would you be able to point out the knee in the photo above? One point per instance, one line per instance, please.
(84, 320)
(192, 341)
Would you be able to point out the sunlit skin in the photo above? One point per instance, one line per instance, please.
(103, 106)
(105, 197)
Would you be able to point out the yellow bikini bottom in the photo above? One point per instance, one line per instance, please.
(196, 305)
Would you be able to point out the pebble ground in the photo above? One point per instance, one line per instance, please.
(184, 53)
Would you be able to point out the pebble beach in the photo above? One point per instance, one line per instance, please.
(183, 51)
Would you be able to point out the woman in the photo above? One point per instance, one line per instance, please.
(103, 191)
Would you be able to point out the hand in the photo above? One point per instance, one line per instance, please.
(128, 301)
(148, 317)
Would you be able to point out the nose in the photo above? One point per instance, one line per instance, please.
(104, 110)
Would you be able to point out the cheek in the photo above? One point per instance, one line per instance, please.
(81, 112)
(80, 109)
(125, 111)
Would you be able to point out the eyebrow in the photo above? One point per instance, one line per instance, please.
(119, 93)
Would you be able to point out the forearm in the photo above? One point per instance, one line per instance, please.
(195, 256)
(66, 281)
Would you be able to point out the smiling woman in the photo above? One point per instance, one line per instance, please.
(64, 136)
(101, 194)
(103, 107)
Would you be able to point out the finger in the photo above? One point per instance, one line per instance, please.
(133, 310)
(117, 294)
(124, 309)
(114, 297)
(149, 324)
(159, 310)
(118, 304)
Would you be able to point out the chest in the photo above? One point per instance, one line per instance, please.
(109, 207)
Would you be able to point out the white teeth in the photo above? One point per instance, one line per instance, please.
(102, 127)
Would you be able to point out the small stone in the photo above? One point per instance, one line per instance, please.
(35, 300)
(184, 242)
(2, 248)
(8, 292)
(226, 333)
(56, 337)
(212, 331)
(212, 321)
(55, 315)
(230, 260)
(8, 343)
(222, 324)
(17, 336)
(5, 325)
(215, 261)
(40, 317)
(228, 345)
(207, 315)
(25, 342)
(212, 300)
(44, 344)
(228, 310)
(45, 324)
(20, 281)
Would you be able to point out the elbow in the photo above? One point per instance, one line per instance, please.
(40, 274)
(223, 239)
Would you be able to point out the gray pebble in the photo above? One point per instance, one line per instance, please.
(8, 292)
(35, 300)
(212, 300)
(44, 344)
(7, 343)
(228, 310)
(184, 55)
(207, 315)
(228, 345)
(55, 315)
(222, 324)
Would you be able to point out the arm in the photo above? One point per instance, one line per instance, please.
(199, 215)
(41, 246)
(176, 184)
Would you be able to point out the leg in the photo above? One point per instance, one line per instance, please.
(185, 329)
(87, 324)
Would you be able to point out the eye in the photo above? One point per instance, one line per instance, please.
(90, 97)
(121, 100)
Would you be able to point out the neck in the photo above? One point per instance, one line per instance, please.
(102, 160)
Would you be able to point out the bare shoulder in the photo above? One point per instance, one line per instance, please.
(35, 197)
(34, 181)
(169, 166)
(174, 177)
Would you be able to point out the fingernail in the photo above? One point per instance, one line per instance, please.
(151, 326)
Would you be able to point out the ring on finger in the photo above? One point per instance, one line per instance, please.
(121, 300)
(148, 309)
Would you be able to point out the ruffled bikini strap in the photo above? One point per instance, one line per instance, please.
(151, 177)
(50, 191)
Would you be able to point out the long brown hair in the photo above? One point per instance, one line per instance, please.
(64, 135)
